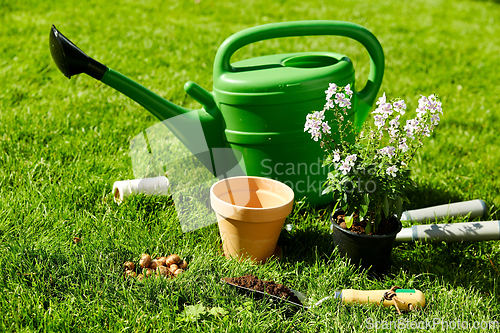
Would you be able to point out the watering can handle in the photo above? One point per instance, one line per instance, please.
(308, 28)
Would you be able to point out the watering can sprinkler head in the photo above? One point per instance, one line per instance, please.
(70, 59)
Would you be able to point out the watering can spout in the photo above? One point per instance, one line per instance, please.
(70, 60)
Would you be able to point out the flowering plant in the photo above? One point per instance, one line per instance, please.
(369, 172)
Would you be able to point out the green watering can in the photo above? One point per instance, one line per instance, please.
(258, 106)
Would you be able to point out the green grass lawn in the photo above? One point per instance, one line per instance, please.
(63, 143)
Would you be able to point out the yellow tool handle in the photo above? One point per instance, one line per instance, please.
(409, 296)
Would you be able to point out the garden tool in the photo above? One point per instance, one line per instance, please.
(451, 232)
(476, 208)
(402, 299)
(256, 113)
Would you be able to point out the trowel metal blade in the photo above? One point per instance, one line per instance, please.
(260, 294)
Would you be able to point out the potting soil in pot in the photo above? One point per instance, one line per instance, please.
(386, 226)
(270, 287)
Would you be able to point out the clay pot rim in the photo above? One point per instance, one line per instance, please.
(338, 227)
(256, 209)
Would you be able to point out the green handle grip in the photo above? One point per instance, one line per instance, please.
(308, 28)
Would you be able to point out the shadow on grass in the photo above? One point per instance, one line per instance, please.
(304, 245)
(470, 264)
(467, 264)
(424, 196)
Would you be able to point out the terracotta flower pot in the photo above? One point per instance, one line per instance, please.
(251, 212)
(371, 252)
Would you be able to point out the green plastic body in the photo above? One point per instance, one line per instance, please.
(264, 101)
(258, 106)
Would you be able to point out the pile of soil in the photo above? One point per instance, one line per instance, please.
(386, 226)
(252, 282)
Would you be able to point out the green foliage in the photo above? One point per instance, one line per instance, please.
(193, 313)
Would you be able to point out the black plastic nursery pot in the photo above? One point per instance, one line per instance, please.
(371, 252)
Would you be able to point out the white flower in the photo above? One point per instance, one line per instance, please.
(399, 106)
(332, 89)
(411, 127)
(325, 127)
(381, 100)
(314, 124)
(329, 104)
(389, 151)
(435, 119)
(379, 121)
(342, 101)
(395, 122)
(348, 90)
(394, 129)
(384, 108)
(351, 159)
(426, 131)
(392, 170)
(345, 168)
(336, 156)
(403, 146)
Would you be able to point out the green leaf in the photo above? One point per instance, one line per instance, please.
(368, 228)
(336, 205)
(404, 198)
(386, 206)
(349, 220)
(365, 206)
(193, 312)
(399, 207)
(363, 210)
(217, 311)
